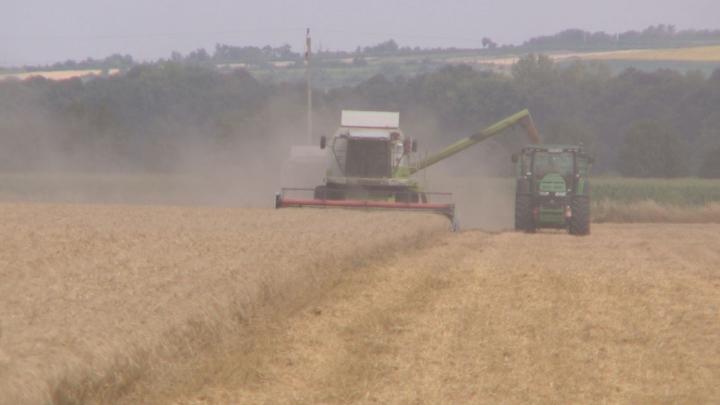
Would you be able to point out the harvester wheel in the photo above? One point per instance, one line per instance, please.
(321, 193)
(335, 194)
(328, 193)
(580, 220)
(454, 225)
(524, 220)
(407, 197)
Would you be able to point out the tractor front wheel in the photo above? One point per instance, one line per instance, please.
(524, 220)
(580, 220)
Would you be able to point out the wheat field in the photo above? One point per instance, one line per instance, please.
(97, 300)
(161, 304)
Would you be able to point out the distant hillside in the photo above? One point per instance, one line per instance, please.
(265, 57)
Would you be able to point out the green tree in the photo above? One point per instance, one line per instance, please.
(651, 150)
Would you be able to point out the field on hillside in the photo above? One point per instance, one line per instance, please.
(159, 304)
(703, 58)
(692, 54)
(341, 72)
(689, 54)
(59, 74)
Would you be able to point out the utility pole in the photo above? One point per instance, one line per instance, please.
(308, 80)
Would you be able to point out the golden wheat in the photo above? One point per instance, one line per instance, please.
(626, 315)
(95, 299)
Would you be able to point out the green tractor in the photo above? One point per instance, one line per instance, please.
(552, 189)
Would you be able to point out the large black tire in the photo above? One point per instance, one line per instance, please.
(320, 193)
(580, 220)
(328, 193)
(336, 194)
(407, 197)
(524, 220)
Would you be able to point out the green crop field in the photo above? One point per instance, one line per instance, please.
(656, 200)
(615, 199)
(678, 192)
(684, 192)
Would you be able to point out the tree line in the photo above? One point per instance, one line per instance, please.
(656, 36)
(647, 124)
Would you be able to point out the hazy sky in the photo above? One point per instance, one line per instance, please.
(42, 31)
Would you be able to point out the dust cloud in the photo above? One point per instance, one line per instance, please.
(46, 157)
(480, 177)
(484, 195)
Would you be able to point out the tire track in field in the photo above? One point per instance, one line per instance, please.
(621, 316)
(341, 348)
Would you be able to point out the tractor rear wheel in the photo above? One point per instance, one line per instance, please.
(524, 220)
(580, 220)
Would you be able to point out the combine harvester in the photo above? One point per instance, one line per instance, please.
(371, 163)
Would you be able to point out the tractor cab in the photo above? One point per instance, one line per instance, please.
(364, 153)
(552, 188)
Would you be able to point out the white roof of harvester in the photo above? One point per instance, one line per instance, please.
(369, 134)
(371, 119)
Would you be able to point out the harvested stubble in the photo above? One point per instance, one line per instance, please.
(97, 298)
(627, 315)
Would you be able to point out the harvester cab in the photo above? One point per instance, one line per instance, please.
(371, 161)
(364, 155)
(552, 188)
